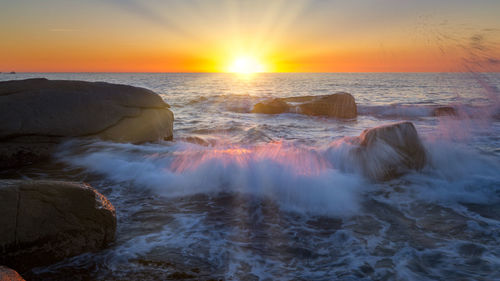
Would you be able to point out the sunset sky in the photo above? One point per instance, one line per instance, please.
(281, 36)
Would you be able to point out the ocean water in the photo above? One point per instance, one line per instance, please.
(242, 196)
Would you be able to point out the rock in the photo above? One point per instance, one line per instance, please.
(41, 113)
(339, 105)
(444, 111)
(46, 221)
(25, 150)
(273, 106)
(389, 151)
(7, 274)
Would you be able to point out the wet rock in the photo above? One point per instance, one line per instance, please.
(21, 151)
(7, 274)
(274, 106)
(389, 151)
(39, 113)
(338, 105)
(46, 221)
(444, 111)
(366, 269)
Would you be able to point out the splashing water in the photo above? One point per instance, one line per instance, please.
(252, 196)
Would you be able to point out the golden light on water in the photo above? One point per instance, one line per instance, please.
(246, 65)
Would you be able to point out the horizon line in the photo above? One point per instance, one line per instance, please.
(217, 72)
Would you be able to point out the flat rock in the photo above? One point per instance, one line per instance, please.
(39, 113)
(338, 105)
(46, 221)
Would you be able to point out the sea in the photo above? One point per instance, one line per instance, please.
(244, 196)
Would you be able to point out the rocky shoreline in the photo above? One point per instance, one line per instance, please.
(46, 221)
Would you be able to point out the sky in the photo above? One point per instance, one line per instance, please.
(278, 35)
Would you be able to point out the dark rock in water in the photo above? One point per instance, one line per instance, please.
(7, 274)
(274, 106)
(25, 150)
(12, 72)
(39, 113)
(339, 105)
(444, 111)
(46, 221)
(388, 151)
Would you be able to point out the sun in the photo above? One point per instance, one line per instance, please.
(246, 65)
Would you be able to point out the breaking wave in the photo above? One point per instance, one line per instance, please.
(316, 180)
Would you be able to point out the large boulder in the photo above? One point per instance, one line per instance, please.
(389, 151)
(43, 222)
(39, 113)
(7, 274)
(338, 105)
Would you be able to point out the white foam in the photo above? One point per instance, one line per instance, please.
(308, 180)
(457, 173)
(298, 179)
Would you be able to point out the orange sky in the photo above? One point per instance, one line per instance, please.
(284, 36)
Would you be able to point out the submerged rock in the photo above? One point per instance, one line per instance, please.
(46, 221)
(444, 111)
(7, 274)
(39, 113)
(339, 105)
(388, 151)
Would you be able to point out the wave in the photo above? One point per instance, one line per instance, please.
(316, 180)
(299, 179)
(413, 111)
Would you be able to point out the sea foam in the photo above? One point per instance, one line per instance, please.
(317, 180)
(299, 179)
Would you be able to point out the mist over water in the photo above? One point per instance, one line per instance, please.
(243, 196)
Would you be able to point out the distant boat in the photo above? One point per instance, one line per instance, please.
(12, 72)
